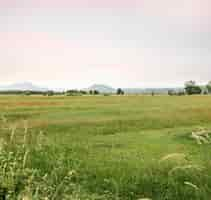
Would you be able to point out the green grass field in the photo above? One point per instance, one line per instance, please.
(118, 147)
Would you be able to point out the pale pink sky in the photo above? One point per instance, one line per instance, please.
(127, 43)
(70, 3)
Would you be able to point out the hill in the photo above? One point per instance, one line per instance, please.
(25, 86)
(101, 88)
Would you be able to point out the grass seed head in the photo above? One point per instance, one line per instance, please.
(13, 128)
(174, 157)
(201, 136)
(4, 119)
(191, 185)
(25, 125)
(2, 144)
(25, 158)
(186, 168)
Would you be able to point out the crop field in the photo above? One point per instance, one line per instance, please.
(105, 147)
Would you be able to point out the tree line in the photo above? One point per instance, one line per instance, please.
(72, 92)
(192, 88)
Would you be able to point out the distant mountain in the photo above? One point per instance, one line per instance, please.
(101, 88)
(107, 89)
(25, 86)
(28, 86)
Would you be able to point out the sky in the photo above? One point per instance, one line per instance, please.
(121, 43)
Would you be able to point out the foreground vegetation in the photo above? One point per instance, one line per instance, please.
(105, 147)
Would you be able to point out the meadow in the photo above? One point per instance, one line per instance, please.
(105, 147)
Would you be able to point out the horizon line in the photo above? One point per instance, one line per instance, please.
(45, 85)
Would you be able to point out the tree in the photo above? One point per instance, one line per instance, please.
(181, 93)
(83, 92)
(190, 83)
(208, 86)
(73, 92)
(95, 92)
(171, 92)
(205, 92)
(191, 88)
(119, 91)
(27, 93)
(50, 93)
(174, 92)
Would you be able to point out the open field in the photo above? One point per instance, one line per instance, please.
(118, 147)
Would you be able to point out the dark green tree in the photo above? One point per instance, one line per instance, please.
(191, 88)
(119, 91)
(208, 86)
(50, 93)
(95, 92)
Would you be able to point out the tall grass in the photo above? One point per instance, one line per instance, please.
(92, 148)
(30, 169)
(32, 172)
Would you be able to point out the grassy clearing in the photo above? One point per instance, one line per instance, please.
(128, 147)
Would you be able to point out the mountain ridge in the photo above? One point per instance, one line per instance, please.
(101, 88)
(23, 86)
